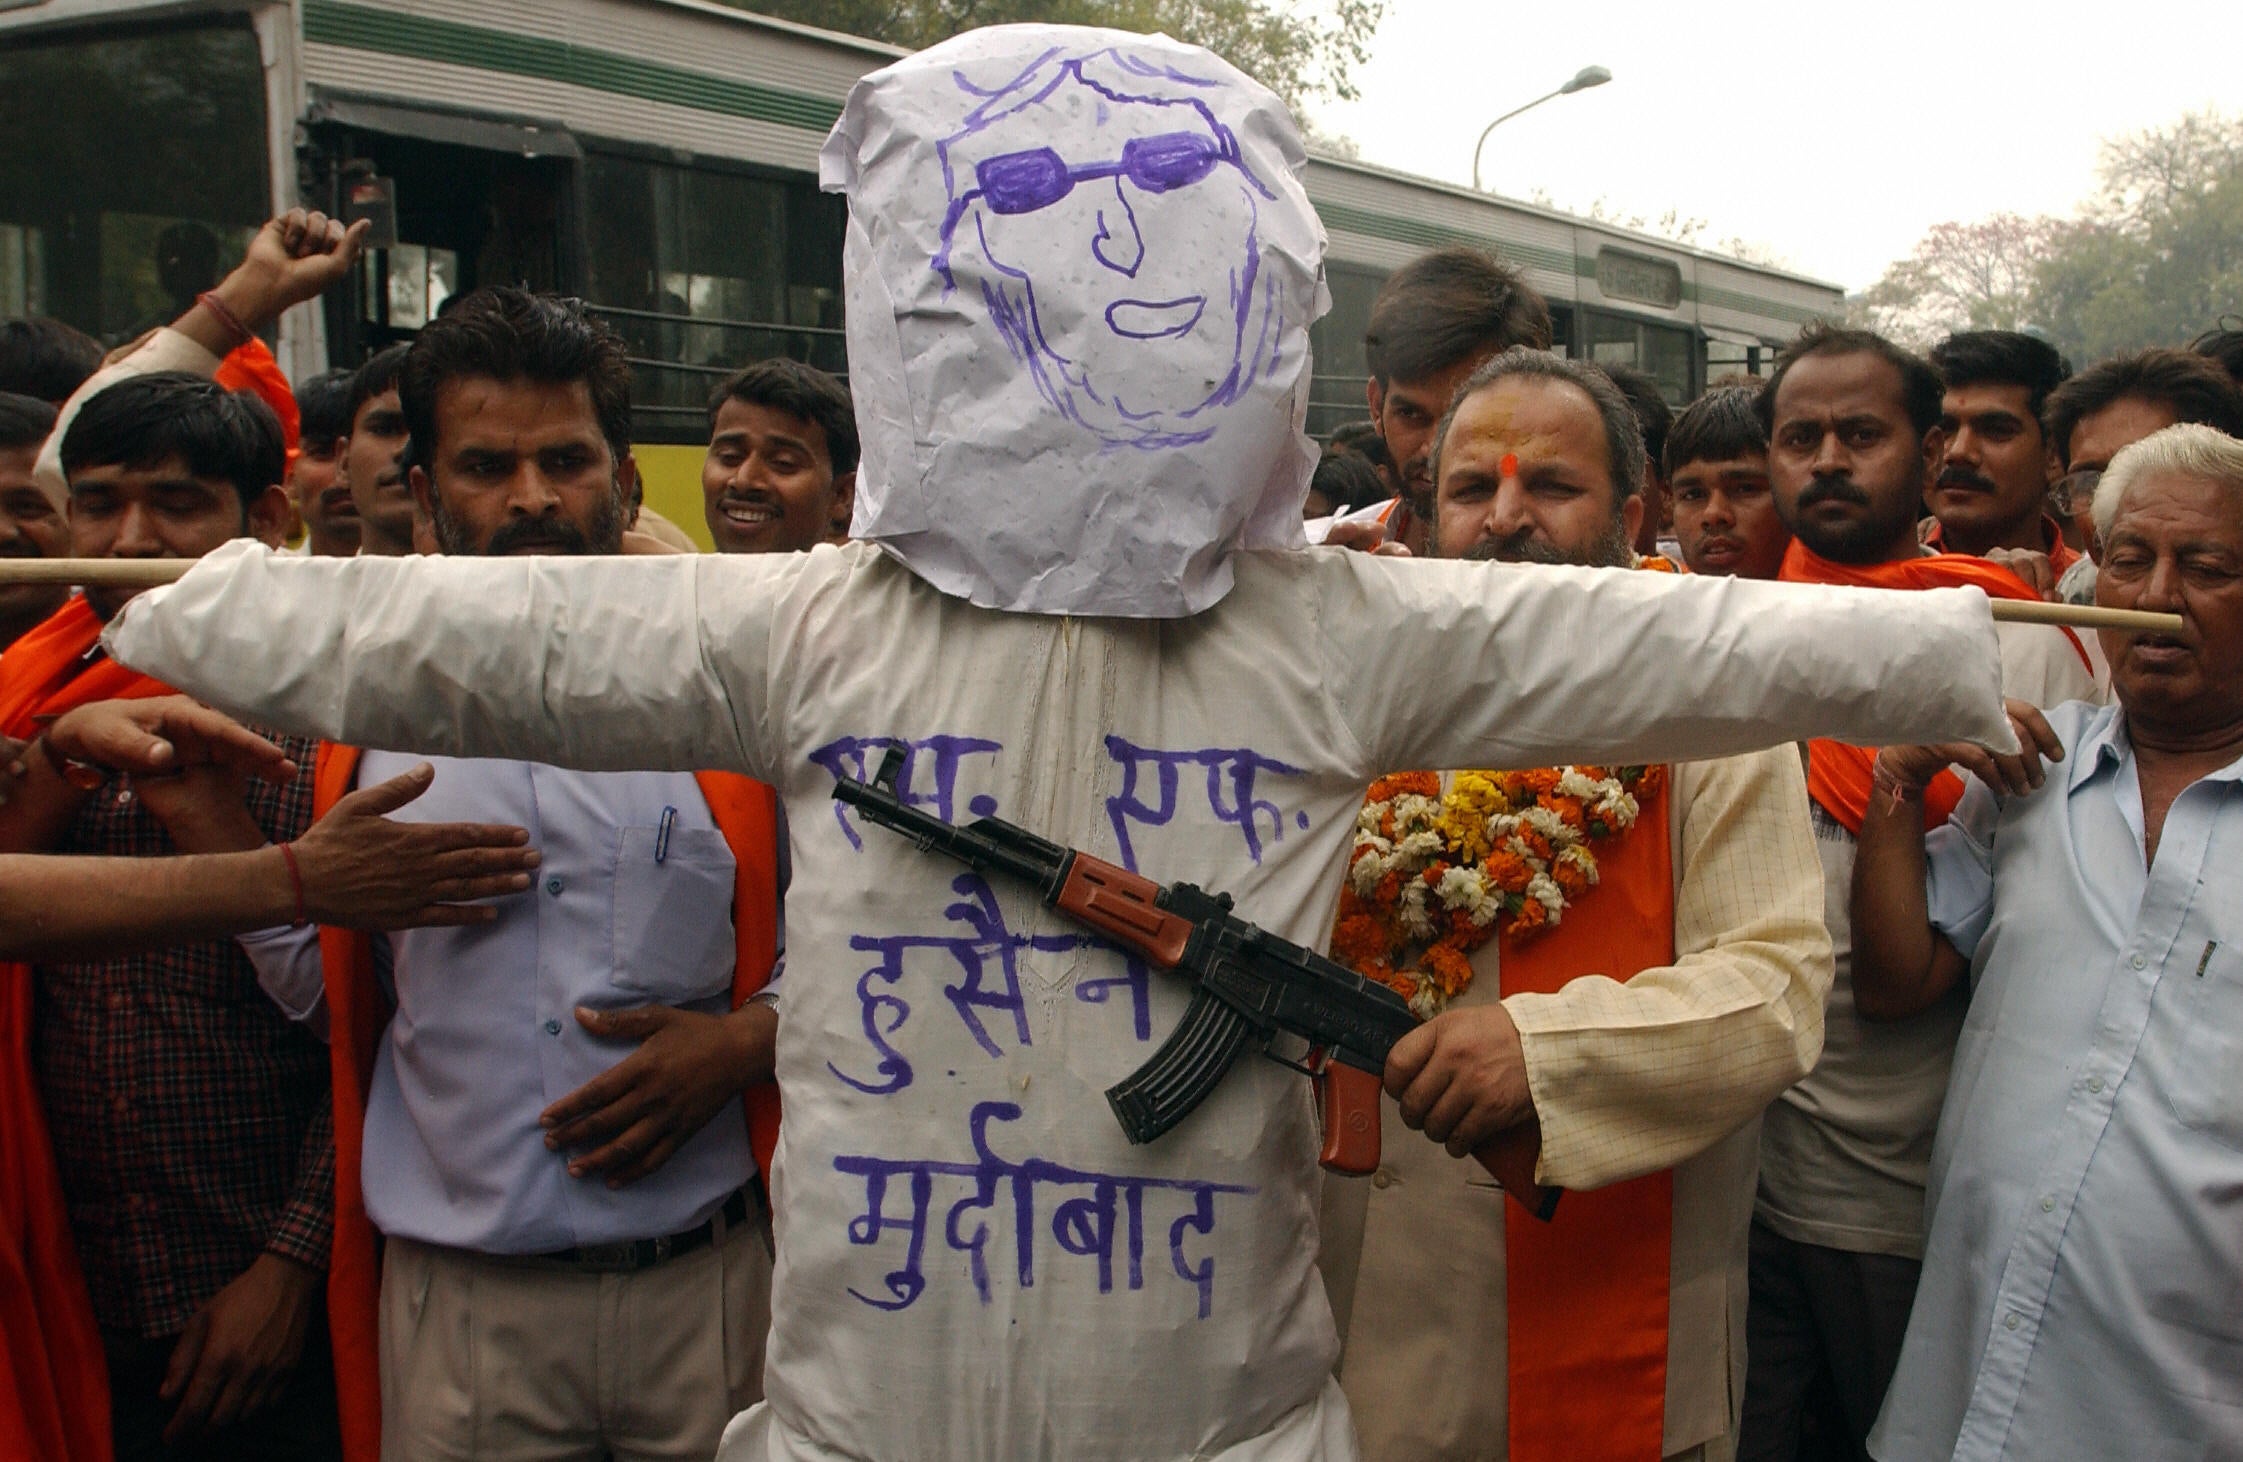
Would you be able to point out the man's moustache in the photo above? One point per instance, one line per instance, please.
(1965, 478)
(20, 548)
(1833, 490)
(537, 535)
(1521, 547)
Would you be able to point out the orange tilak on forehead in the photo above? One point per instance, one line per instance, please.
(1509, 466)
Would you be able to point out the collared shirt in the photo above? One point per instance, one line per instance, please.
(1843, 1153)
(192, 1122)
(2083, 1281)
(632, 906)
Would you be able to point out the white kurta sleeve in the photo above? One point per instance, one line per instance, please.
(1631, 1078)
(1494, 665)
(655, 663)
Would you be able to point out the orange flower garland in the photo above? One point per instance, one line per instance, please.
(1434, 877)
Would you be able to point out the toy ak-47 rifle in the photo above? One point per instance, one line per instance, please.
(1249, 986)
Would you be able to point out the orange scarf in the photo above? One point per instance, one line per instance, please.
(2061, 555)
(250, 367)
(746, 814)
(1586, 1293)
(1839, 775)
(54, 1384)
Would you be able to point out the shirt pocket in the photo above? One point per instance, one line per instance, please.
(2206, 1092)
(673, 917)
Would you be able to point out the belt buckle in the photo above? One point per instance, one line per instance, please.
(607, 1256)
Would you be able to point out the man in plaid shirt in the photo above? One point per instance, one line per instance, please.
(191, 1120)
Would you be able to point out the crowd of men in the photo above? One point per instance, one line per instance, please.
(424, 1107)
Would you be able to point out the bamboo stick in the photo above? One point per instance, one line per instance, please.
(2084, 616)
(100, 573)
(143, 573)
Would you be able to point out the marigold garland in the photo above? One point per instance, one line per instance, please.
(1434, 877)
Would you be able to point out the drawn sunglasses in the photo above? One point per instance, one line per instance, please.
(1022, 182)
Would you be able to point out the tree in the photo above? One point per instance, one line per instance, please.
(1961, 276)
(2153, 258)
(2157, 255)
(1301, 49)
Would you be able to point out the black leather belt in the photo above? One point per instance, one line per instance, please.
(628, 1255)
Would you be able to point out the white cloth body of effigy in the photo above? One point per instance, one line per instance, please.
(973, 1261)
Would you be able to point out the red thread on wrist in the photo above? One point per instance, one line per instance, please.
(210, 301)
(296, 882)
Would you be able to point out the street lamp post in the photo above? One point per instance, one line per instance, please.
(1583, 79)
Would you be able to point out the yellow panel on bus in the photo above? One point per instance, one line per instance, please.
(670, 476)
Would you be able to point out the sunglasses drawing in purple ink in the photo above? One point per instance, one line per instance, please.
(1022, 182)
(1176, 321)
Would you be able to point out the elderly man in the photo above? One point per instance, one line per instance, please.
(2086, 1235)
(1105, 628)
(1708, 907)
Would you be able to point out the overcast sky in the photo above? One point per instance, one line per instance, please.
(1833, 132)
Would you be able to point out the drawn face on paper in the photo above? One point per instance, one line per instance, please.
(1103, 212)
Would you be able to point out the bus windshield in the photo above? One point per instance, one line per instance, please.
(133, 175)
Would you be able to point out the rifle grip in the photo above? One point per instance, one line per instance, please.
(1510, 1159)
(1350, 1098)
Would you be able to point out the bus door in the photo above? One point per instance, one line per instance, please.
(457, 203)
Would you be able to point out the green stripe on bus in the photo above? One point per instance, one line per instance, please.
(1752, 304)
(1426, 235)
(361, 27)
(336, 23)
(1421, 234)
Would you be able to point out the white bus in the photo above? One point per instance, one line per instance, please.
(656, 158)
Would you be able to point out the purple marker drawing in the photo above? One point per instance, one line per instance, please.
(1230, 774)
(929, 777)
(1081, 157)
(1094, 1215)
(984, 950)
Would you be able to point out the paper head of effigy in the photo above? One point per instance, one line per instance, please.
(1081, 268)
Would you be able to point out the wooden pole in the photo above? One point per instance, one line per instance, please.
(144, 573)
(102, 573)
(2084, 616)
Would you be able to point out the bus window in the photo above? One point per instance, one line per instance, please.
(1664, 352)
(1336, 394)
(134, 172)
(703, 270)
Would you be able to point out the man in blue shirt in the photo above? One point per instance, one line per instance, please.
(577, 1258)
(2085, 1212)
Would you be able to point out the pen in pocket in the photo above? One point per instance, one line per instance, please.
(662, 835)
(2205, 959)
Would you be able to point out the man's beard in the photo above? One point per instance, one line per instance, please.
(1416, 491)
(1611, 550)
(553, 535)
(1859, 541)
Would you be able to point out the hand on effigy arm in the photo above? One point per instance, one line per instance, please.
(1902, 772)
